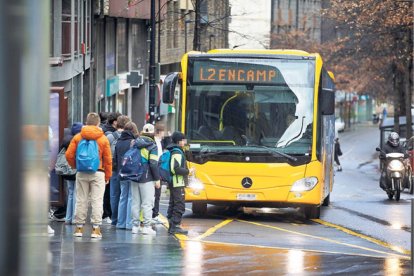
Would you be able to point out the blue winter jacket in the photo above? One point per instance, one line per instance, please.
(149, 155)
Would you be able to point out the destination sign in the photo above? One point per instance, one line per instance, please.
(234, 72)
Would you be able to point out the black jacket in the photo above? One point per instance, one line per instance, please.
(67, 137)
(166, 141)
(107, 127)
(338, 151)
(180, 167)
(388, 148)
(122, 146)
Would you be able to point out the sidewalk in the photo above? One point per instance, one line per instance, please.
(119, 251)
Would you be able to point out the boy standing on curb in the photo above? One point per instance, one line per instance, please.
(90, 183)
(143, 191)
(179, 170)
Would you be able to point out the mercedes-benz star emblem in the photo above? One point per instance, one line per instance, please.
(247, 182)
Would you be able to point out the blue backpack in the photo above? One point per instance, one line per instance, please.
(87, 156)
(164, 165)
(133, 164)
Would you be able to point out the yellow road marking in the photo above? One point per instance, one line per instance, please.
(321, 238)
(209, 232)
(302, 249)
(343, 229)
(212, 230)
(362, 236)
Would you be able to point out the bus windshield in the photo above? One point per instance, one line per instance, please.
(250, 104)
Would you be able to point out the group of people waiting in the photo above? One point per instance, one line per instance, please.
(121, 202)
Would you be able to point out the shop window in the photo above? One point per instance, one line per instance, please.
(100, 49)
(122, 50)
(88, 26)
(110, 50)
(138, 48)
(51, 28)
(66, 21)
(76, 27)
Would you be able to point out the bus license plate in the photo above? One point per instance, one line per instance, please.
(246, 196)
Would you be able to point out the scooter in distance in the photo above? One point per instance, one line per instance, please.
(396, 171)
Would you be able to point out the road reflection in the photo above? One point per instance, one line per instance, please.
(296, 261)
(392, 267)
(205, 257)
(193, 257)
(209, 257)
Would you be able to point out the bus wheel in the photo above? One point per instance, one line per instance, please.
(199, 208)
(327, 200)
(312, 212)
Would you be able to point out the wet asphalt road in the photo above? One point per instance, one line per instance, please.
(357, 201)
(361, 233)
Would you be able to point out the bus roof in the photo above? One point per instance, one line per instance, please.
(260, 51)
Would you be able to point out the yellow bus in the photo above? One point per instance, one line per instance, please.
(260, 128)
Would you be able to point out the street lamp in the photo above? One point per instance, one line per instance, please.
(185, 34)
(209, 41)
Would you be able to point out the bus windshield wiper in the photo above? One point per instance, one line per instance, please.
(275, 151)
(208, 152)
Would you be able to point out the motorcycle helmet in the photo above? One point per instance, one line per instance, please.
(394, 139)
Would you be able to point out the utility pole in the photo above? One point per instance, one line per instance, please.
(196, 41)
(152, 67)
(159, 31)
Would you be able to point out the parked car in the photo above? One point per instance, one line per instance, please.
(339, 125)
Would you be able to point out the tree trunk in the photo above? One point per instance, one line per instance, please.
(408, 92)
(396, 99)
(196, 39)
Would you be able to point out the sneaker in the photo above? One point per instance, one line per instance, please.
(147, 230)
(78, 232)
(176, 229)
(50, 231)
(96, 233)
(156, 220)
(107, 220)
(136, 230)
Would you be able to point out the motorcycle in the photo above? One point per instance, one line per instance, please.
(398, 174)
(375, 119)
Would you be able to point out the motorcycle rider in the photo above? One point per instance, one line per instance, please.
(392, 146)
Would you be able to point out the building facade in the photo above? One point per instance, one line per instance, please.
(178, 23)
(70, 54)
(244, 34)
(291, 15)
(98, 46)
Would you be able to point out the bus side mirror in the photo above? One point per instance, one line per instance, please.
(168, 89)
(327, 102)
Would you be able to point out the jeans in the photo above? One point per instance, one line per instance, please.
(71, 202)
(115, 192)
(142, 199)
(124, 208)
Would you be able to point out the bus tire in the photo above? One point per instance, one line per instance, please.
(199, 208)
(327, 200)
(312, 212)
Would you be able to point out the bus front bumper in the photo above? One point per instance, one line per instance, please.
(264, 197)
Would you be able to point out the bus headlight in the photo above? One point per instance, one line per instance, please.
(195, 184)
(304, 184)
